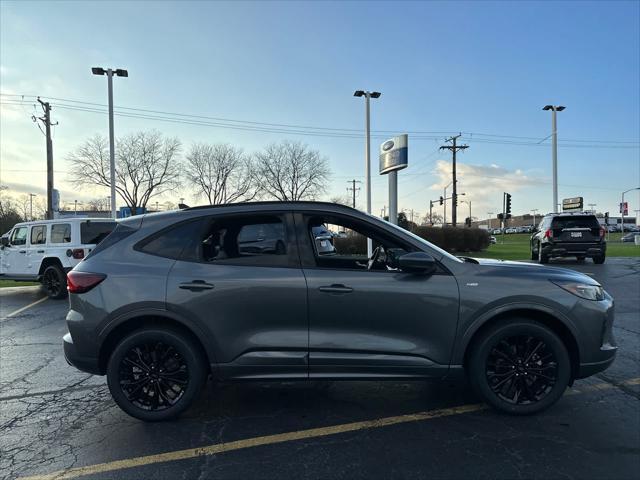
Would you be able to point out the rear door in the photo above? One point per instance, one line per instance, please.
(240, 279)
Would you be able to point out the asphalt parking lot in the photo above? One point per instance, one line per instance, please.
(56, 422)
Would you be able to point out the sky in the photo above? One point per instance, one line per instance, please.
(482, 68)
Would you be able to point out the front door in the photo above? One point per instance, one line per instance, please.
(14, 255)
(366, 320)
(242, 281)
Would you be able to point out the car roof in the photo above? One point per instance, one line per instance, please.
(301, 204)
(570, 214)
(64, 220)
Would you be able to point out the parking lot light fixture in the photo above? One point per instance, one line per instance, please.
(110, 72)
(554, 150)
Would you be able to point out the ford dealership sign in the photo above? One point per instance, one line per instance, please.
(394, 154)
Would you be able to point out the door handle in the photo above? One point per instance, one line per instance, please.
(40, 251)
(196, 286)
(22, 251)
(335, 288)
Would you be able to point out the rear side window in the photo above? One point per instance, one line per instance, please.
(92, 233)
(120, 232)
(61, 233)
(171, 242)
(586, 221)
(38, 235)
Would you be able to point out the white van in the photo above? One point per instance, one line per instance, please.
(46, 250)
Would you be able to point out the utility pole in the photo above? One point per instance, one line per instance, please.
(31, 195)
(431, 212)
(554, 151)
(454, 197)
(353, 189)
(46, 120)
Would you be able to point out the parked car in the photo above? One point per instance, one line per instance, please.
(497, 231)
(492, 239)
(629, 237)
(511, 230)
(155, 311)
(45, 250)
(577, 235)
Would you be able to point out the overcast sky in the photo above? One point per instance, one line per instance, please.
(485, 68)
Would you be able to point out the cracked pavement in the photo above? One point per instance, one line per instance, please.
(53, 417)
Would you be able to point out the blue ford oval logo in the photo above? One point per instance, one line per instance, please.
(388, 145)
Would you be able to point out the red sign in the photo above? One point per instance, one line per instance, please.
(624, 208)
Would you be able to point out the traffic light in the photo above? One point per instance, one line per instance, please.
(441, 200)
(508, 204)
(606, 218)
(467, 222)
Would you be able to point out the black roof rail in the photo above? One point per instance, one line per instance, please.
(268, 202)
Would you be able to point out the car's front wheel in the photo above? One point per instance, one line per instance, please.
(519, 366)
(542, 258)
(155, 374)
(599, 260)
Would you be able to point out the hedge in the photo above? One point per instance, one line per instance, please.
(448, 238)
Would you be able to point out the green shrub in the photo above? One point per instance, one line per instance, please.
(455, 239)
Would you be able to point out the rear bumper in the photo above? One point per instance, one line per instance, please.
(560, 249)
(86, 364)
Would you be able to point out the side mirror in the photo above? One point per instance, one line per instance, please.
(417, 262)
(4, 241)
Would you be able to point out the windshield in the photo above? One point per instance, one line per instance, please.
(444, 253)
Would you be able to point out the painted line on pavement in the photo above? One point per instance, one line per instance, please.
(217, 448)
(20, 310)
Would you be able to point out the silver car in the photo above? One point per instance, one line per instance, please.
(168, 299)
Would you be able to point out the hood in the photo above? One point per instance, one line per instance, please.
(490, 266)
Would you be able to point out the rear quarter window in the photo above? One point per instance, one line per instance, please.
(61, 233)
(92, 233)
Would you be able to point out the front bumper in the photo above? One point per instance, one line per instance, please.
(86, 364)
(560, 249)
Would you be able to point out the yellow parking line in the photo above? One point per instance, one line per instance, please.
(20, 310)
(280, 438)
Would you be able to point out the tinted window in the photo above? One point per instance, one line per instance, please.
(586, 221)
(171, 242)
(259, 240)
(61, 233)
(119, 232)
(38, 235)
(94, 232)
(19, 236)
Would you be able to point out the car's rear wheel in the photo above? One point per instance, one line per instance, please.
(54, 281)
(542, 258)
(599, 259)
(519, 366)
(155, 374)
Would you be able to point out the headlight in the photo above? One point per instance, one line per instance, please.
(583, 290)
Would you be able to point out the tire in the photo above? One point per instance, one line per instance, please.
(542, 258)
(599, 260)
(534, 255)
(54, 282)
(487, 369)
(167, 395)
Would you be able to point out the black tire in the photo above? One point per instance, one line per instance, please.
(542, 258)
(54, 282)
(534, 255)
(536, 391)
(599, 260)
(156, 394)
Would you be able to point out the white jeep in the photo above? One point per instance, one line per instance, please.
(45, 250)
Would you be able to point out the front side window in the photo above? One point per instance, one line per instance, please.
(38, 235)
(19, 236)
(339, 242)
(61, 233)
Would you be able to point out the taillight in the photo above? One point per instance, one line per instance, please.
(82, 282)
(548, 234)
(78, 253)
(602, 232)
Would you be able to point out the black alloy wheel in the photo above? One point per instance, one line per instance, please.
(521, 369)
(155, 374)
(54, 282)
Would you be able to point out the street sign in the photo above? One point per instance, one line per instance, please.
(572, 204)
(624, 208)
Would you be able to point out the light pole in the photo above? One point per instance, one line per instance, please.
(554, 149)
(444, 220)
(109, 72)
(31, 195)
(622, 207)
(490, 213)
(593, 210)
(534, 210)
(367, 148)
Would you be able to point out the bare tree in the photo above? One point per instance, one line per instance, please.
(342, 200)
(221, 173)
(147, 165)
(98, 204)
(290, 171)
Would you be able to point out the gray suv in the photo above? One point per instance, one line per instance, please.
(168, 299)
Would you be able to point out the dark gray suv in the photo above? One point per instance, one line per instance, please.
(170, 298)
